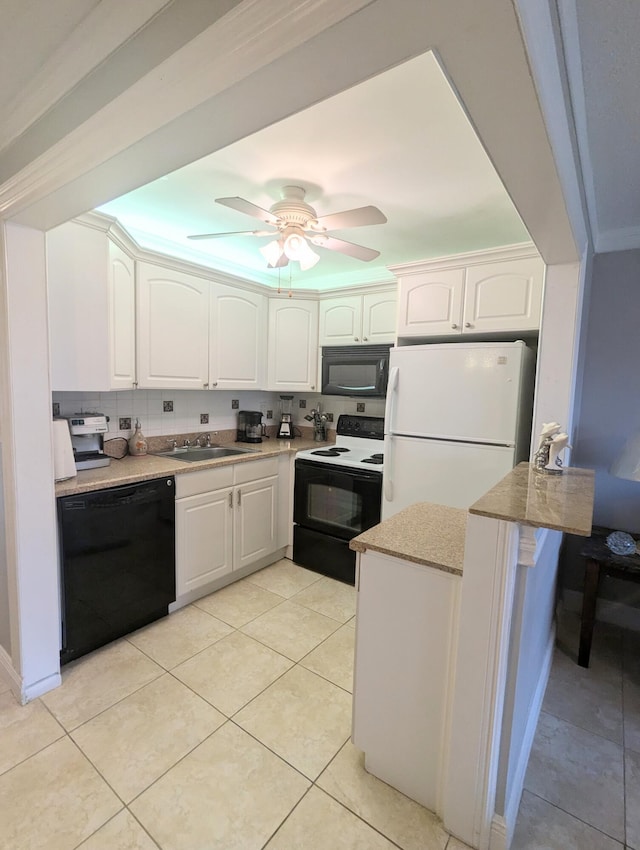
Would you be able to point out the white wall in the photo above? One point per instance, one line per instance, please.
(5, 620)
(27, 461)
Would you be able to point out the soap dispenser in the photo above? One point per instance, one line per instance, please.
(138, 442)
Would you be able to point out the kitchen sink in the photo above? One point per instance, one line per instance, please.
(192, 454)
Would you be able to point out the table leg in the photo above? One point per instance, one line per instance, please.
(589, 597)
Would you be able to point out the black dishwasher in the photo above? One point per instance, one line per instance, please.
(117, 555)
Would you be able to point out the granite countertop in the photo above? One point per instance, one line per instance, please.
(424, 533)
(562, 502)
(129, 469)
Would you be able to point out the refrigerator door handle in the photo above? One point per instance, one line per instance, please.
(390, 404)
(389, 415)
(387, 477)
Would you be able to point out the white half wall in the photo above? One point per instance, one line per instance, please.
(28, 466)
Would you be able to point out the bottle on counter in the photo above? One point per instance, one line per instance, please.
(138, 442)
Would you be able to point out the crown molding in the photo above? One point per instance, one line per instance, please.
(523, 250)
(115, 231)
(622, 239)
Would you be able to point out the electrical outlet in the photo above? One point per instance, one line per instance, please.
(329, 417)
(269, 414)
(167, 407)
(235, 403)
(124, 423)
(204, 418)
(360, 407)
(56, 408)
(302, 403)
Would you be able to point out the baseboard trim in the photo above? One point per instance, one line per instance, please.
(503, 826)
(8, 674)
(615, 613)
(36, 689)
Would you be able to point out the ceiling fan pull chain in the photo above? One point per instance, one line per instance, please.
(279, 270)
(289, 280)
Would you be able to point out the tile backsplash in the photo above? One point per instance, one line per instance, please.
(169, 412)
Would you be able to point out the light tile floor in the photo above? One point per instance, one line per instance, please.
(582, 787)
(226, 726)
(222, 727)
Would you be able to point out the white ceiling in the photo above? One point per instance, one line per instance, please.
(435, 205)
(399, 141)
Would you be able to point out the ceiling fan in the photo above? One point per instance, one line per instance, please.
(296, 225)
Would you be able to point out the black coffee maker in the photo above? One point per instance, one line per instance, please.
(250, 428)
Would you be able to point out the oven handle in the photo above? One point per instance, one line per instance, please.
(389, 421)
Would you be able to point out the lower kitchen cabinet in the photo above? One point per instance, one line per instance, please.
(226, 520)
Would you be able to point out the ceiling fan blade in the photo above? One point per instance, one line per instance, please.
(349, 248)
(247, 207)
(352, 218)
(234, 233)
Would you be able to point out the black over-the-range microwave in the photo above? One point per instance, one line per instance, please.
(355, 370)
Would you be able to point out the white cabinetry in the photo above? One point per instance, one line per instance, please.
(173, 329)
(358, 319)
(293, 345)
(504, 295)
(91, 293)
(197, 334)
(226, 520)
(406, 638)
(237, 338)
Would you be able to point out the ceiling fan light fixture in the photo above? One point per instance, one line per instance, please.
(297, 248)
(272, 252)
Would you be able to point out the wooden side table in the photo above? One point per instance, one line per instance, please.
(600, 560)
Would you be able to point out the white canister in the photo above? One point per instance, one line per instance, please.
(64, 465)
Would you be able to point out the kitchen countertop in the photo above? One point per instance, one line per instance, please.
(424, 533)
(129, 469)
(562, 502)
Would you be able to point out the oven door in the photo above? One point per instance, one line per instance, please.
(336, 500)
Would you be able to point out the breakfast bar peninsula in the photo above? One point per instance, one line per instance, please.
(454, 639)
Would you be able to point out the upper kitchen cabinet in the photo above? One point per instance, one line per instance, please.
(498, 291)
(238, 338)
(358, 319)
(293, 345)
(173, 329)
(91, 293)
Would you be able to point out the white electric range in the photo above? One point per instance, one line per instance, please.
(338, 495)
(359, 441)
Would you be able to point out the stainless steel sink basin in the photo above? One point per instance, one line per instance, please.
(192, 454)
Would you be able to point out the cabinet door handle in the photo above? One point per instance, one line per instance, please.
(205, 386)
(356, 339)
(135, 383)
(468, 325)
(365, 338)
(231, 499)
(214, 383)
(239, 499)
(454, 326)
(313, 386)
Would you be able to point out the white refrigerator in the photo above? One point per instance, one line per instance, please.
(457, 419)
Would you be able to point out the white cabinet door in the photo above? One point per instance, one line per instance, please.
(505, 296)
(173, 329)
(430, 303)
(204, 539)
(256, 521)
(122, 318)
(379, 316)
(341, 320)
(406, 639)
(293, 345)
(91, 301)
(237, 344)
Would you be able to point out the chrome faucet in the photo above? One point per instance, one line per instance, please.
(205, 441)
(173, 444)
(186, 444)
